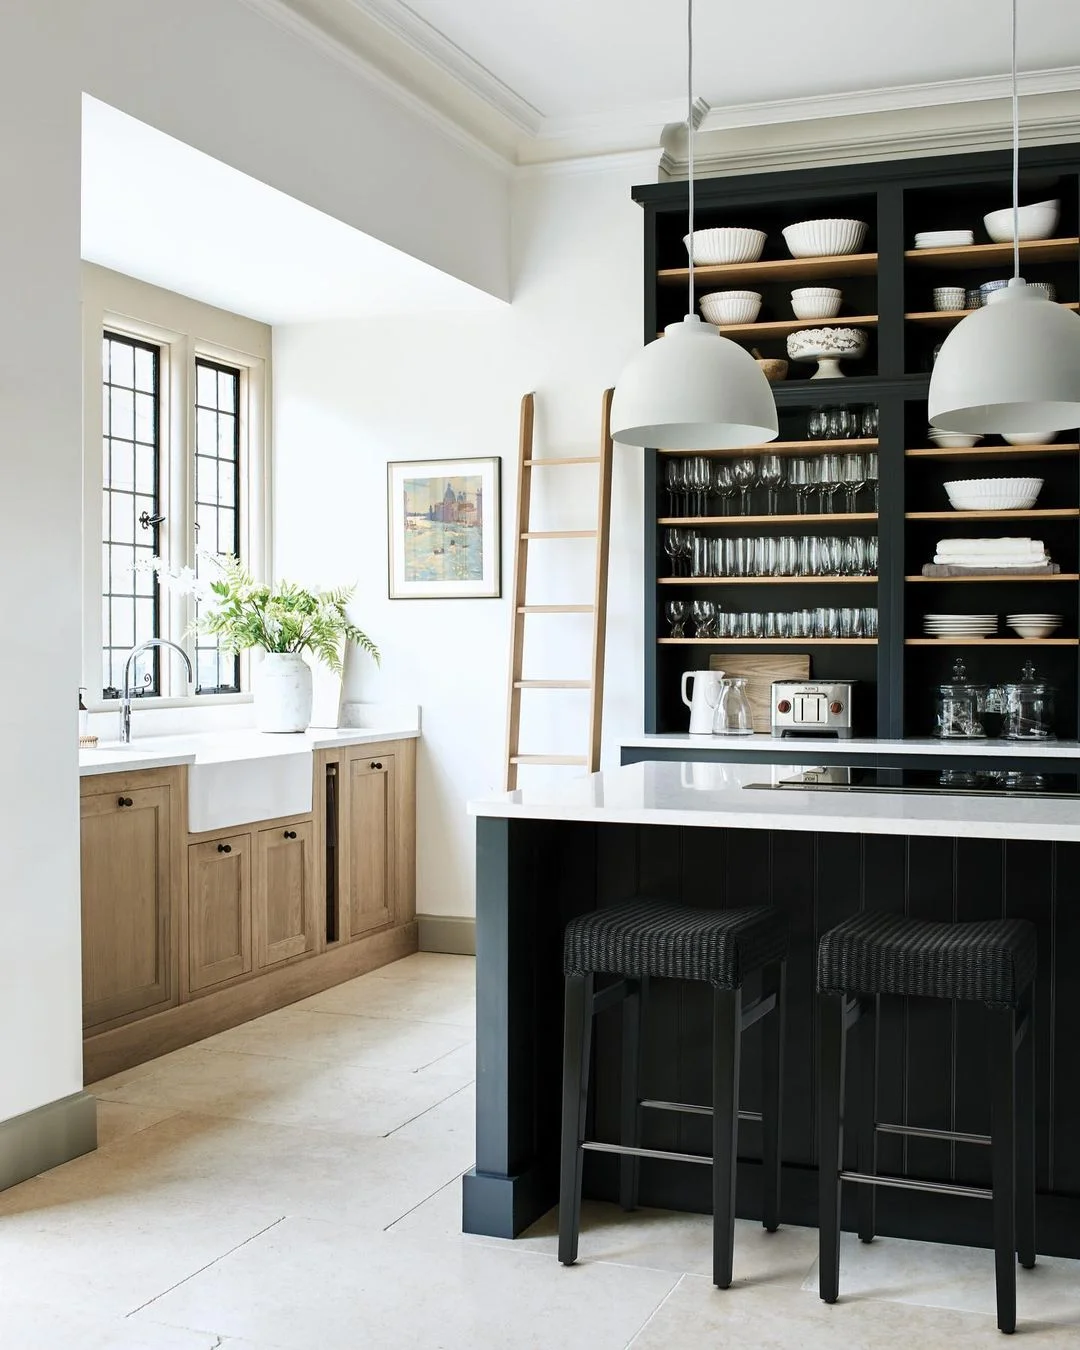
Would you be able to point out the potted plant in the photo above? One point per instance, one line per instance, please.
(284, 620)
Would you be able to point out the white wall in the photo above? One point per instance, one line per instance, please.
(351, 396)
(40, 453)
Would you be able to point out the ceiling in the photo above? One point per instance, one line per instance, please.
(564, 68)
(191, 224)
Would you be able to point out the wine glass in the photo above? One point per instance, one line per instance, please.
(868, 422)
(724, 483)
(698, 481)
(704, 615)
(671, 548)
(870, 472)
(801, 481)
(852, 468)
(817, 425)
(771, 477)
(744, 472)
(842, 424)
(671, 483)
(677, 611)
(829, 481)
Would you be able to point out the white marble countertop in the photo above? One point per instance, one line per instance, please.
(714, 795)
(217, 747)
(827, 745)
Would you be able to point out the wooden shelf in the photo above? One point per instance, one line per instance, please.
(830, 579)
(1065, 513)
(779, 448)
(989, 576)
(781, 327)
(834, 519)
(768, 642)
(774, 269)
(942, 318)
(990, 642)
(976, 452)
(992, 255)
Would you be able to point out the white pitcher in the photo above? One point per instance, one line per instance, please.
(707, 684)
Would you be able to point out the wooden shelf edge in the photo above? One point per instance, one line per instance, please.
(768, 520)
(984, 255)
(830, 579)
(991, 642)
(781, 448)
(769, 642)
(856, 264)
(781, 327)
(989, 576)
(1064, 513)
(991, 451)
(942, 316)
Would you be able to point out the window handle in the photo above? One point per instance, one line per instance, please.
(149, 522)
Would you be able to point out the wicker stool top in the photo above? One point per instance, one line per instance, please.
(988, 962)
(653, 937)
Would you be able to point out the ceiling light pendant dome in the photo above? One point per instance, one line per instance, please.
(692, 389)
(1013, 366)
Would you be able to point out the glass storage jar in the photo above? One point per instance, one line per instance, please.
(958, 706)
(1030, 703)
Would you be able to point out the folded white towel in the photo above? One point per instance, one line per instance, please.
(1002, 547)
(983, 560)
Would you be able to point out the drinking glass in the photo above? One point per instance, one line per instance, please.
(870, 622)
(704, 616)
(854, 556)
(872, 556)
(870, 469)
(853, 469)
(802, 623)
(799, 482)
(671, 483)
(671, 548)
(830, 480)
(826, 622)
(817, 425)
(777, 625)
(716, 558)
(724, 483)
(677, 611)
(699, 480)
(771, 477)
(850, 623)
(686, 546)
(842, 424)
(765, 557)
(726, 623)
(868, 422)
(741, 558)
(744, 472)
(733, 716)
(786, 556)
(699, 555)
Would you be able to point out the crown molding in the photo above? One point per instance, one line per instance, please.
(640, 165)
(410, 28)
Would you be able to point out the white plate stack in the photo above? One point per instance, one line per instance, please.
(960, 625)
(944, 238)
(1033, 625)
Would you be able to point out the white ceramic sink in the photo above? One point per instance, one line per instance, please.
(235, 779)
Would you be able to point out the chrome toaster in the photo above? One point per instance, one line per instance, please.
(812, 708)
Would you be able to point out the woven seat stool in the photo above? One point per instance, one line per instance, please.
(635, 941)
(991, 962)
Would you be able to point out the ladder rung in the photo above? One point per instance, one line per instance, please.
(548, 759)
(559, 534)
(552, 684)
(555, 609)
(575, 459)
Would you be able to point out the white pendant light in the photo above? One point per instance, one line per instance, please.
(1013, 366)
(692, 389)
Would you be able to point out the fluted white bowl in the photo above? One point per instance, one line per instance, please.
(993, 494)
(816, 302)
(727, 307)
(727, 244)
(824, 238)
(1037, 221)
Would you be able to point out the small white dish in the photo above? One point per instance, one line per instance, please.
(1029, 437)
(952, 440)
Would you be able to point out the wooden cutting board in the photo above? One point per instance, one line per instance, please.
(759, 672)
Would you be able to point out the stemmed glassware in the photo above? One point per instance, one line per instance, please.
(829, 481)
(677, 612)
(771, 476)
(704, 616)
(724, 483)
(853, 471)
(672, 549)
(672, 472)
(699, 481)
(817, 425)
(744, 472)
(870, 470)
(868, 422)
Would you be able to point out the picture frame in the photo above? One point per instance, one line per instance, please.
(444, 529)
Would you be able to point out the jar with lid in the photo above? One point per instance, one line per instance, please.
(958, 706)
(1030, 703)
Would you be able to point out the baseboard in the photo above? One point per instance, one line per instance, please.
(46, 1137)
(453, 933)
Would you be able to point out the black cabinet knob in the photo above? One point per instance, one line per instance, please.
(224, 848)
(124, 801)
(290, 834)
(376, 764)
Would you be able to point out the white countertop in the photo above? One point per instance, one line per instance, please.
(827, 745)
(218, 747)
(714, 795)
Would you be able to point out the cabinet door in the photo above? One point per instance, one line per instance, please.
(127, 902)
(219, 911)
(285, 893)
(371, 831)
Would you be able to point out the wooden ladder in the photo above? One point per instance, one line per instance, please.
(598, 609)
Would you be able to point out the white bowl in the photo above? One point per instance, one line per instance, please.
(728, 244)
(1029, 437)
(1034, 630)
(1038, 221)
(815, 302)
(993, 494)
(727, 307)
(824, 238)
(952, 440)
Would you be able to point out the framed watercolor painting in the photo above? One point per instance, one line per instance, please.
(444, 529)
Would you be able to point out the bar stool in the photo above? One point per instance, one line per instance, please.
(637, 940)
(988, 962)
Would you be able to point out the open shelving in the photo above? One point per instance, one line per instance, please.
(1032, 513)
(984, 578)
(829, 579)
(994, 255)
(781, 448)
(766, 642)
(772, 269)
(980, 452)
(991, 642)
(945, 318)
(833, 518)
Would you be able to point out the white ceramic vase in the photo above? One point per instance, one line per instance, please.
(282, 692)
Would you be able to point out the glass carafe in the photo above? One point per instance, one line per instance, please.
(733, 716)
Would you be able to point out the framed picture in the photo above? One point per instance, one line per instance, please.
(444, 531)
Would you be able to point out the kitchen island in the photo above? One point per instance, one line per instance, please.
(698, 832)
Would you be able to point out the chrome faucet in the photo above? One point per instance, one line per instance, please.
(125, 697)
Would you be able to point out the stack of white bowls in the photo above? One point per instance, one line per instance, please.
(1034, 625)
(730, 307)
(815, 302)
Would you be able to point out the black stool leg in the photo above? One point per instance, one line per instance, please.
(577, 1041)
(830, 1141)
(1003, 1149)
(774, 981)
(727, 1038)
(629, 1167)
(868, 1081)
(1025, 1141)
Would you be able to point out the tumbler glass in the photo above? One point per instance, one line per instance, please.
(786, 556)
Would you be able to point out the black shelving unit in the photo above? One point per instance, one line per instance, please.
(896, 198)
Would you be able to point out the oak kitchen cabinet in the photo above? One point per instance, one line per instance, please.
(186, 935)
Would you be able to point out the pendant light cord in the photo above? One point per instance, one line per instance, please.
(1016, 153)
(690, 131)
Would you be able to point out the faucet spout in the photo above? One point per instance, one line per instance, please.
(125, 696)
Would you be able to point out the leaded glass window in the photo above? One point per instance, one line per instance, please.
(217, 500)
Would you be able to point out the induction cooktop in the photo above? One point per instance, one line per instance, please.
(933, 782)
